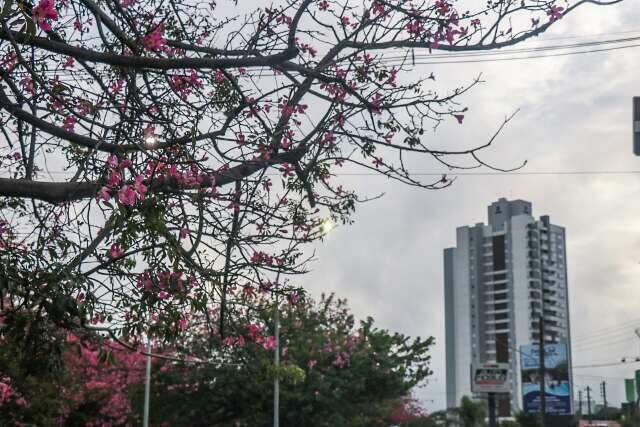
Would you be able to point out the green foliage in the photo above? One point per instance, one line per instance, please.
(471, 413)
(31, 365)
(332, 374)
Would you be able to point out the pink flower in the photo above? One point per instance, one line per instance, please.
(184, 232)
(114, 179)
(182, 323)
(127, 196)
(126, 3)
(163, 295)
(139, 186)
(104, 194)
(555, 13)
(46, 9)
(117, 86)
(459, 117)
(69, 62)
(312, 363)
(69, 123)
(27, 85)
(113, 161)
(155, 39)
(115, 252)
(269, 343)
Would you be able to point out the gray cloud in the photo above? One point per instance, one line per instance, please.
(575, 115)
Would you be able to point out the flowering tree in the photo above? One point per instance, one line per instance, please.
(49, 376)
(334, 371)
(161, 157)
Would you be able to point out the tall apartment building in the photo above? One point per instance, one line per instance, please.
(499, 279)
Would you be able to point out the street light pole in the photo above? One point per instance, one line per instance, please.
(147, 385)
(276, 357)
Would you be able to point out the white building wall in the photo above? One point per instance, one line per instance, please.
(521, 303)
(462, 309)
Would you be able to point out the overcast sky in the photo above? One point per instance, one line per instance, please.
(575, 115)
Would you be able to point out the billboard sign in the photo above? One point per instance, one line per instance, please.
(557, 384)
(490, 378)
(630, 389)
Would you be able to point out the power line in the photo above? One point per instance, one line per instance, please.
(594, 345)
(604, 365)
(511, 51)
(583, 36)
(629, 324)
(603, 336)
(476, 61)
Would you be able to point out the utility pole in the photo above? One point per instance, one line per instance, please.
(541, 372)
(580, 403)
(492, 410)
(603, 391)
(589, 403)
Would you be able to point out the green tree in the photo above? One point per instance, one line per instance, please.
(470, 413)
(334, 372)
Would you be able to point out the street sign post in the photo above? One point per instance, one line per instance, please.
(490, 378)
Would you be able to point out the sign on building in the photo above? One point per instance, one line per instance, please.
(490, 378)
(557, 384)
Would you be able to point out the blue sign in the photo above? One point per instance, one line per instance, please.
(557, 386)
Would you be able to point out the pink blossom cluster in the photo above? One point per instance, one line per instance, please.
(335, 90)
(9, 61)
(165, 284)
(127, 194)
(155, 41)
(107, 384)
(287, 170)
(190, 176)
(287, 109)
(43, 13)
(555, 13)
(8, 393)
(306, 48)
(183, 85)
(261, 257)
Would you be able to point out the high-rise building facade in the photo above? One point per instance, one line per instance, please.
(500, 279)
